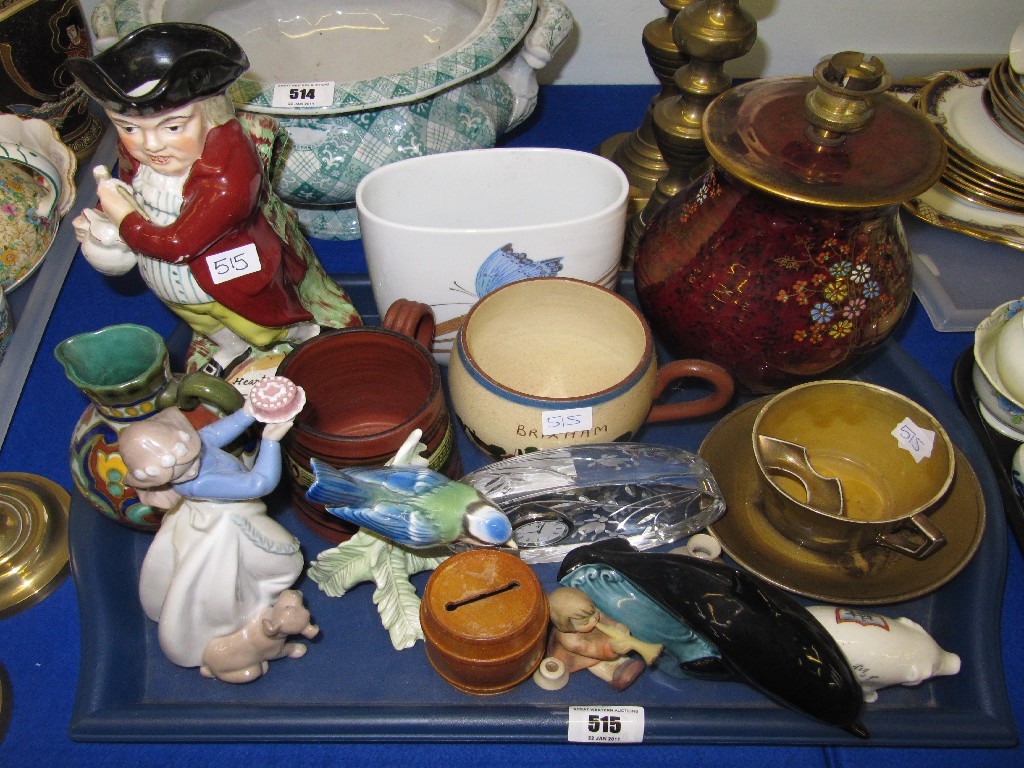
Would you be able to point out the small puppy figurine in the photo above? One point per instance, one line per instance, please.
(244, 655)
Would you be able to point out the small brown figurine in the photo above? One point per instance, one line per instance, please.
(583, 638)
(244, 655)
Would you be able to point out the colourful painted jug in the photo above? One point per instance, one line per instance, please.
(126, 373)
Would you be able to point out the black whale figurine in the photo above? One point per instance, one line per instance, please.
(764, 637)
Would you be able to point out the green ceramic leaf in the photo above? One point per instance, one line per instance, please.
(367, 557)
(339, 569)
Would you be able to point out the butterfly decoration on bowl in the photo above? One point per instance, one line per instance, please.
(504, 265)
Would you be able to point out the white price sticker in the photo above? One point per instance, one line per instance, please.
(608, 725)
(303, 95)
(568, 420)
(230, 265)
(917, 440)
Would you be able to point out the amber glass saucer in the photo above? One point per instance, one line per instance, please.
(33, 539)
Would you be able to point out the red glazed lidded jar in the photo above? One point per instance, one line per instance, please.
(787, 261)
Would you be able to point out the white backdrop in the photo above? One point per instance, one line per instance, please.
(913, 37)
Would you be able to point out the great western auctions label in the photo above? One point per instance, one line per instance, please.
(303, 95)
(609, 725)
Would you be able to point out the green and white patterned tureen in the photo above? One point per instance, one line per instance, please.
(357, 85)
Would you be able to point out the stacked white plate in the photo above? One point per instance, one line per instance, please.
(981, 192)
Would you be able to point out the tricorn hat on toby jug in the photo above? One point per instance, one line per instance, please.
(161, 66)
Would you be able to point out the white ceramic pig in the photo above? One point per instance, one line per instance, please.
(884, 651)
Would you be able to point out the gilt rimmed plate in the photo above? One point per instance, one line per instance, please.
(959, 166)
(955, 102)
(1005, 81)
(944, 208)
(980, 192)
(1004, 104)
(874, 577)
(1010, 97)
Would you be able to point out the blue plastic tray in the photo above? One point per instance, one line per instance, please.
(352, 686)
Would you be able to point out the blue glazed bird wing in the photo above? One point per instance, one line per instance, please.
(359, 487)
(385, 500)
(405, 480)
(334, 487)
(401, 523)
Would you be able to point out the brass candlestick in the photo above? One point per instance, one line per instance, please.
(711, 32)
(637, 153)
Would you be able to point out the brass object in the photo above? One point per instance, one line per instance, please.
(782, 457)
(872, 577)
(856, 148)
(33, 539)
(637, 153)
(843, 102)
(711, 32)
(885, 484)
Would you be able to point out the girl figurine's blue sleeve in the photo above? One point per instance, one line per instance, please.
(223, 431)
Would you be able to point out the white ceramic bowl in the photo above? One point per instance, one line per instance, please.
(447, 229)
(1009, 354)
(998, 348)
(358, 84)
(999, 412)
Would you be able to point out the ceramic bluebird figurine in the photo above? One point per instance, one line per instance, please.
(218, 561)
(193, 208)
(754, 632)
(413, 506)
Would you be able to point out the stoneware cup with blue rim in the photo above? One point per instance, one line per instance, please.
(550, 361)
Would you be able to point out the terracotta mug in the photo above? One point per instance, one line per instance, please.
(847, 466)
(366, 390)
(550, 362)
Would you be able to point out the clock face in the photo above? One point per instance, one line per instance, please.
(540, 532)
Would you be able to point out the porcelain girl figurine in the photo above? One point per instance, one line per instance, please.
(191, 205)
(218, 560)
(582, 638)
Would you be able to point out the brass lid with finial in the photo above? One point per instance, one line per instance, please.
(836, 139)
